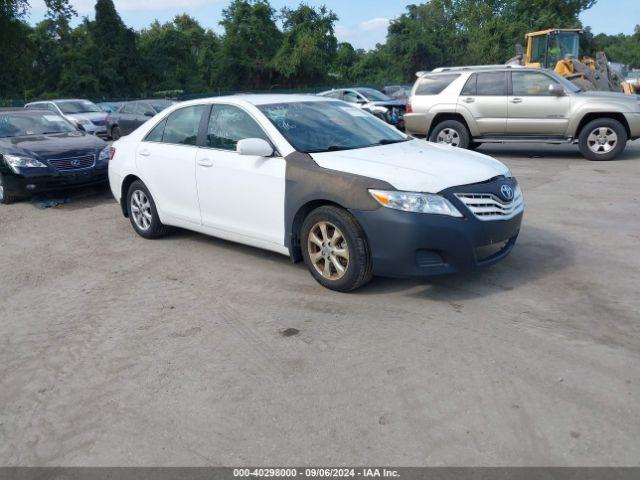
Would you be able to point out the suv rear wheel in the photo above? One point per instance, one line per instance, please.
(602, 139)
(451, 132)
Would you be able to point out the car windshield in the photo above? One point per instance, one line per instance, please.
(77, 106)
(25, 125)
(373, 95)
(313, 127)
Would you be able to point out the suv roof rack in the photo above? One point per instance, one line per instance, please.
(468, 67)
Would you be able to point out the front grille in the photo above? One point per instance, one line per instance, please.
(74, 163)
(486, 206)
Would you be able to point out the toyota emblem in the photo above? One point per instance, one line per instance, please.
(75, 163)
(507, 192)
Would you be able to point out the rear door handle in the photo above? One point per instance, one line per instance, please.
(469, 100)
(516, 100)
(144, 153)
(205, 162)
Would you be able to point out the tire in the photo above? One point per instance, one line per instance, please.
(6, 198)
(451, 132)
(340, 227)
(594, 133)
(146, 223)
(116, 133)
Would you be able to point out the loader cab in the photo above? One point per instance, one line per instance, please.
(546, 48)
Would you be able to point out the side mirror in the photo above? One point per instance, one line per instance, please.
(556, 89)
(149, 114)
(254, 147)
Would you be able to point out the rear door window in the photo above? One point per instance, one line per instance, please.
(434, 84)
(182, 126)
(492, 83)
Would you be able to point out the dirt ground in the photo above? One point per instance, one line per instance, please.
(190, 350)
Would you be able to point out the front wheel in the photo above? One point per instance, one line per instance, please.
(335, 249)
(452, 133)
(143, 212)
(602, 139)
(6, 198)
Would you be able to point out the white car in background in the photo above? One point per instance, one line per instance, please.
(318, 180)
(84, 114)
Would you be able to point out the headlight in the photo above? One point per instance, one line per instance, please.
(83, 121)
(106, 154)
(16, 162)
(415, 202)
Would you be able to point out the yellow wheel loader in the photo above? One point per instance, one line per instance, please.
(559, 49)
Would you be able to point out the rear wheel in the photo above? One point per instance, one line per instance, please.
(6, 198)
(335, 249)
(602, 139)
(143, 212)
(451, 132)
(116, 134)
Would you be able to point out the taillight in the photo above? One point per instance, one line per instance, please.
(112, 153)
(409, 107)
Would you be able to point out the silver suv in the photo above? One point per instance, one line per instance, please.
(468, 106)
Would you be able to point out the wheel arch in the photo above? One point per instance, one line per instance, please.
(293, 234)
(126, 183)
(445, 116)
(595, 115)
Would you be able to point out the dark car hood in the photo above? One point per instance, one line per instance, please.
(57, 145)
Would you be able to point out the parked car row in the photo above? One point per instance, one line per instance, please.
(373, 101)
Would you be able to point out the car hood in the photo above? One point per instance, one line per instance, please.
(91, 116)
(613, 95)
(415, 166)
(57, 145)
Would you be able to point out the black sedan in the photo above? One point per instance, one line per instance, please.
(133, 114)
(41, 151)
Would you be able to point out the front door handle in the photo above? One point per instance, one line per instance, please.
(516, 100)
(205, 162)
(469, 100)
(144, 153)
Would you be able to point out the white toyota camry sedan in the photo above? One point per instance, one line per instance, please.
(320, 181)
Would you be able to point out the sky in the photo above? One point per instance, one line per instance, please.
(363, 23)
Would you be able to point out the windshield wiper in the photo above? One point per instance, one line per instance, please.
(334, 148)
(389, 141)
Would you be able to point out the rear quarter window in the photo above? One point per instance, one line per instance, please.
(434, 84)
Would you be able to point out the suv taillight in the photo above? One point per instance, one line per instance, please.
(409, 107)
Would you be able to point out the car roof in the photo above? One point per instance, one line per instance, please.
(26, 113)
(262, 98)
(473, 69)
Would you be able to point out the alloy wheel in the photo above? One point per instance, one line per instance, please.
(141, 209)
(602, 140)
(448, 136)
(328, 250)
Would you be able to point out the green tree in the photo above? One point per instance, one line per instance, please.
(309, 45)
(248, 46)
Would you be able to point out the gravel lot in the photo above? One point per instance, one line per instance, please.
(119, 351)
